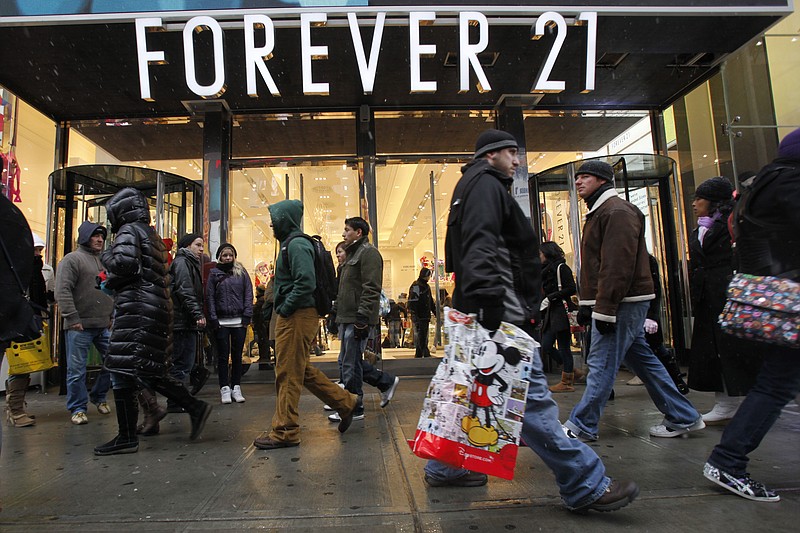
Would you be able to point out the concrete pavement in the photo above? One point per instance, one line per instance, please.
(366, 479)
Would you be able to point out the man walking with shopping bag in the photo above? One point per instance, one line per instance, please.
(494, 253)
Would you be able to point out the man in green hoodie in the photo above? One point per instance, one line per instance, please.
(296, 327)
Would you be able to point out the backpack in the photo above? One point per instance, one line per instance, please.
(385, 306)
(325, 291)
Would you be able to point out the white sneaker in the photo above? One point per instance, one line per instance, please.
(636, 381)
(388, 394)
(722, 411)
(225, 394)
(336, 418)
(662, 430)
(79, 418)
(236, 394)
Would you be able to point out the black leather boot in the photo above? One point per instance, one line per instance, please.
(177, 392)
(674, 371)
(153, 413)
(127, 414)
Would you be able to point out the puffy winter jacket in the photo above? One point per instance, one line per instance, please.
(141, 335)
(229, 295)
(186, 287)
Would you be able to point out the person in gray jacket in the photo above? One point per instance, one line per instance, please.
(87, 316)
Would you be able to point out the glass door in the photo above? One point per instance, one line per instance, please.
(650, 183)
(413, 197)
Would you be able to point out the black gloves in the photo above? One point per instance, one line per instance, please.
(360, 331)
(245, 321)
(585, 315)
(552, 298)
(213, 324)
(491, 316)
(331, 325)
(605, 328)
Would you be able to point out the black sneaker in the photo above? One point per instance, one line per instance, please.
(470, 479)
(740, 485)
(618, 494)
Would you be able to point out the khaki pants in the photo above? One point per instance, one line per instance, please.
(293, 371)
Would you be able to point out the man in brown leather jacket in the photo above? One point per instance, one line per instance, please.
(615, 282)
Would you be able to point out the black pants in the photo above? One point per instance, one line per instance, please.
(421, 338)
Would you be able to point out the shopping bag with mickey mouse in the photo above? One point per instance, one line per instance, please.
(474, 406)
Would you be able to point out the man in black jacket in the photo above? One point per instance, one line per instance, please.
(494, 253)
(421, 305)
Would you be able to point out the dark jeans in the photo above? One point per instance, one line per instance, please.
(421, 338)
(184, 353)
(777, 384)
(564, 353)
(230, 341)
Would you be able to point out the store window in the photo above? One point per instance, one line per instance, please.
(27, 143)
(328, 190)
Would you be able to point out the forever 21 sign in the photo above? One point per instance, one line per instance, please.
(256, 57)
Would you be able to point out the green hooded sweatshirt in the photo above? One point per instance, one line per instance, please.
(294, 282)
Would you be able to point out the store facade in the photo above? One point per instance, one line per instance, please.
(370, 108)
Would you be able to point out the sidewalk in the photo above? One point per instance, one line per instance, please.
(366, 479)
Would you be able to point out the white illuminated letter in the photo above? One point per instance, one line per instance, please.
(255, 58)
(312, 52)
(542, 83)
(145, 57)
(468, 53)
(199, 24)
(590, 19)
(419, 50)
(367, 67)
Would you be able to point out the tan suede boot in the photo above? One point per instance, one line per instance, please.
(15, 404)
(567, 379)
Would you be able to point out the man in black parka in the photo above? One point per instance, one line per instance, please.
(141, 335)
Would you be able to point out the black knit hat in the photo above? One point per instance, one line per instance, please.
(226, 245)
(717, 189)
(598, 169)
(491, 140)
(188, 239)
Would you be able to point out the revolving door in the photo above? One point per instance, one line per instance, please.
(651, 183)
(79, 193)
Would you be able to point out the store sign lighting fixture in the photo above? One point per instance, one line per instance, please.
(256, 57)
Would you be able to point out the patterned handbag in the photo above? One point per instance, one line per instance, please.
(764, 309)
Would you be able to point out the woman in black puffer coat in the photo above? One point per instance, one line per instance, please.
(141, 336)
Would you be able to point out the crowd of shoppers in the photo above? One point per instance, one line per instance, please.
(144, 316)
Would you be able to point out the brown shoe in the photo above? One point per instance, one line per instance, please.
(347, 418)
(266, 443)
(617, 495)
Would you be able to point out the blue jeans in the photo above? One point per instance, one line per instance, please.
(230, 341)
(184, 353)
(580, 474)
(606, 353)
(777, 383)
(351, 362)
(369, 374)
(78, 343)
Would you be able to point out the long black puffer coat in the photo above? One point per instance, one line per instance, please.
(136, 263)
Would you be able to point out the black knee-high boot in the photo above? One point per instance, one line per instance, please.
(127, 413)
(674, 371)
(177, 392)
